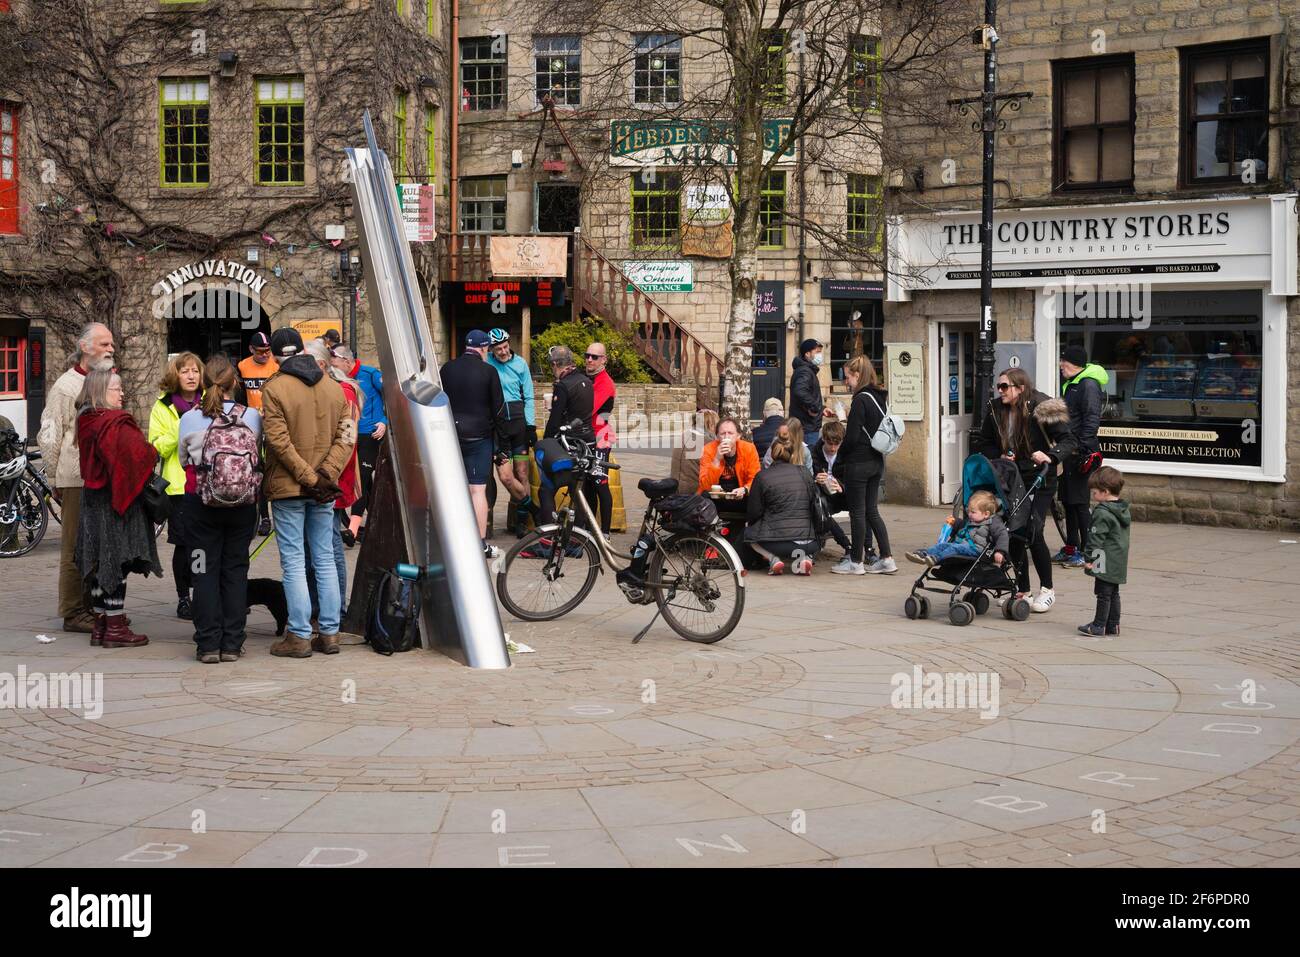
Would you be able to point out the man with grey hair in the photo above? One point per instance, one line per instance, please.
(63, 465)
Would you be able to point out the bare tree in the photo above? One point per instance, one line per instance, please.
(766, 79)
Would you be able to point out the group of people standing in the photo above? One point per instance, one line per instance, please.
(227, 445)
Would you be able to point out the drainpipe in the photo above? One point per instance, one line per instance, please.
(799, 185)
(454, 184)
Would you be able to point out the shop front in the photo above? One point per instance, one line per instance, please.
(1184, 304)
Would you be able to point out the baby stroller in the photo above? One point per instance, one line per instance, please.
(981, 577)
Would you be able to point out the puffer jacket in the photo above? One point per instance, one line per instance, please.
(306, 424)
(806, 402)
(1085, 396)
(780, 505)
(1049, 432)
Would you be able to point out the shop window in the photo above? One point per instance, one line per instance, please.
(1186, 387)
(399, 135)
(559, 69)
(483, 204)
(774, 66)
(857, 329)
(771, 211)
(656, 210)
(864, 210)
(13, 359)
(1094, 123)
(1225, 110)
(483, 73)
(281, 132)
(431, 145)
(8, 167)
(657, 70)
(863, 71)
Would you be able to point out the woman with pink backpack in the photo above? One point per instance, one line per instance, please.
(220, 443)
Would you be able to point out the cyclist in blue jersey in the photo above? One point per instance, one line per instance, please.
(517, 388)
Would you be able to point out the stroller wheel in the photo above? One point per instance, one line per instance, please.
(961, 613)
(1006, 608)
(925, 606)
(978, 600)
(1020, 609)
(912, 608)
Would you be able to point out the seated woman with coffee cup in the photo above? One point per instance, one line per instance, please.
(728, 464)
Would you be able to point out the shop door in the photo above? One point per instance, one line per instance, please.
(557, 207)
(956, 385)
(767, 379)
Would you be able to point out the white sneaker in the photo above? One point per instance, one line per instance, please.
(1046, 598)
(883, 566)
(847, 566)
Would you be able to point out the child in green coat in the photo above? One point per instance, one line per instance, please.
(1107, 551)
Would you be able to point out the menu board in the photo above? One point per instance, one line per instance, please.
(905, 380)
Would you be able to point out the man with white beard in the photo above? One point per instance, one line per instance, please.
(63, 465)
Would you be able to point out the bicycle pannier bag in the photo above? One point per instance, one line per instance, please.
(687, 513)
(554, 463)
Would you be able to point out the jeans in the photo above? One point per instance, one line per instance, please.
(862, 491)
(297, 522)
(340, 563)
(947, 549)
(221, 536)
(1107, 604)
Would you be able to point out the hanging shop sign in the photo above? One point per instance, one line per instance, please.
(528, 256)
(905, 380)
(852, 289)
(660, 275)
(506, 292)
(416, 202)
(688, 142)
(707, 240)
(708, 203)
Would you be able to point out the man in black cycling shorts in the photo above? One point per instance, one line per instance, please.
(474, 390)
(521, 433)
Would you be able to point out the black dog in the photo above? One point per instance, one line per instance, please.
(269, 592)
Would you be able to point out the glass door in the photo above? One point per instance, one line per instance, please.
(956, 401)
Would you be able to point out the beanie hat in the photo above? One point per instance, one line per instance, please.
(808, 345)
(1075, 355)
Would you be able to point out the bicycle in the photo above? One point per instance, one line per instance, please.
(26, 498)
(693, 576)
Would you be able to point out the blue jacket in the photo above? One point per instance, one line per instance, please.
(371, 381)
(516, 384)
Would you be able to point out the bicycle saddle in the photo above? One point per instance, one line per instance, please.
(657, 488)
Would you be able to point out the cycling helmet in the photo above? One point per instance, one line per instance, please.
(498, 336)
(13, 468)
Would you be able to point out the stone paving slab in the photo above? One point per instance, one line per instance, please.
(780, 746)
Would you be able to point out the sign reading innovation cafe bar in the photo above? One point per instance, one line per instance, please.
(687, 143)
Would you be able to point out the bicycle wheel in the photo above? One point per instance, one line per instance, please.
(538, 582)
(22, 521)
(700, 592)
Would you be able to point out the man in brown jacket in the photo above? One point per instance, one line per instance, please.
(309, 438)
(63, 465)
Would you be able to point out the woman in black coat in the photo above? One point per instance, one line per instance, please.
(1033, 431)
(779, 523)
(864, 468)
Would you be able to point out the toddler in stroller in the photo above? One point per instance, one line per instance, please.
(975, 559)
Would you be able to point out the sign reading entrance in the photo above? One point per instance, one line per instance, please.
(906, 380)
(687, 143)
(660, 275)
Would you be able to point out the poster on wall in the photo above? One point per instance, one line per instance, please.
(905, 380)
(416, 201)
(769, 301)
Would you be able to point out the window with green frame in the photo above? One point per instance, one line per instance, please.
(280, 131)
(771, 211)
(774, 66)
(399, 135)
(184, 132)
(864, 73)
(431, 145)
(401, 8)
(656, 209)
(430, 24)
(864, 210)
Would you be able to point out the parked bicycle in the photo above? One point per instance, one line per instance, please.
(26, 498)
(680, 563)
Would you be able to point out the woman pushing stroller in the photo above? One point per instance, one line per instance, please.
(1032, 430)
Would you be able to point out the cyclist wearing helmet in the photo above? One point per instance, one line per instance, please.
(517, 388)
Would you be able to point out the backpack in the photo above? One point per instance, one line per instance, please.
(230, 464)
(687, 513)
(890, 432)
(393, 614)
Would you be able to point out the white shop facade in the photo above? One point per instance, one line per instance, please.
(1183, 303)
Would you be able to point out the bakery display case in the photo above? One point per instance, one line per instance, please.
(1165, 387)
(1229, 388)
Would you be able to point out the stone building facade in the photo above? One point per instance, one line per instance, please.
(185, 184)
(1146, 211)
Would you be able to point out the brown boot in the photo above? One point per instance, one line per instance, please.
(118, 635)
(97, 633)
(326, 644)
(83, 623)
(291, 646)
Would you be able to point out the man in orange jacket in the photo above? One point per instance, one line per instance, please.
(729, 461)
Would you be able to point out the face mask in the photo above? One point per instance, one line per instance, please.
(817, 359)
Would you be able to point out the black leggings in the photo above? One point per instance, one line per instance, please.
(862, 492)
(1038, 549)
(1076, 526)
(367, 452)
(602, 503)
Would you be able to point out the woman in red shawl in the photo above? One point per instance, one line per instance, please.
(114, 535)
